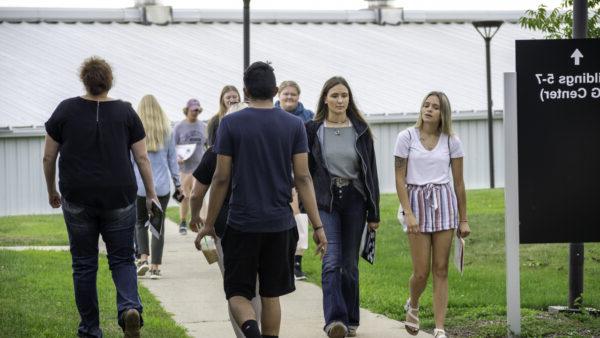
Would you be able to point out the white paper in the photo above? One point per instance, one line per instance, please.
(185, 151)
(459, 254)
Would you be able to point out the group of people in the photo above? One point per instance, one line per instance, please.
(270, 170)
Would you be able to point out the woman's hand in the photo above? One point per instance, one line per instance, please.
(373, 225)
(463, 229)
(412, 226)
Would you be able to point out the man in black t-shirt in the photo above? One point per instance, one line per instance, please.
(257, 149)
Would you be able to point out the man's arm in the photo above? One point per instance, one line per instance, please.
(196, 200)
(140, 156)
(218, 192)
(49, 162)
(306, 192)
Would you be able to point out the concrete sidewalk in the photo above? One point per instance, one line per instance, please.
(192, 291)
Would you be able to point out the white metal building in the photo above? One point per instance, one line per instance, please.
(390, 60)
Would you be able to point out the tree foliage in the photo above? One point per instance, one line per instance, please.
(558, 23)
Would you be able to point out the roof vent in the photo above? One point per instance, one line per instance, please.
(385, 12)
(373, 4)
(154, 12)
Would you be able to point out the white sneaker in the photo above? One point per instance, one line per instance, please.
(142, 268)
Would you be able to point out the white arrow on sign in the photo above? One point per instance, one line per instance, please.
(576, 56)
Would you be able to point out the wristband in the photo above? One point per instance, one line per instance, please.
(317, 228)
(464, 221)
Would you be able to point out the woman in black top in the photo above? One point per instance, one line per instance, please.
(94, 135)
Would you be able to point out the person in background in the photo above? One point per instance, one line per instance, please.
(203, 176)
(424, 156)
(163, 159)
(189, 131)
(342, 163)
(258, 149)
(95, 136)
(229, 95)
(289, 100)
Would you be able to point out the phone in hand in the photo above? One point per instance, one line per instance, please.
(178, 196)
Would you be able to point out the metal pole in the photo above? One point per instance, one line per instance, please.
(580, 15)
(490, 118)
(246, 34)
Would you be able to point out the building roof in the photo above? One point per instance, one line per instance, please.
(390, 67)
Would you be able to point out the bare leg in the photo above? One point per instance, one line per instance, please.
(441, 243)
(242, 309)
(271, 316)
(186, 185)
(420, 250)
(143, 257)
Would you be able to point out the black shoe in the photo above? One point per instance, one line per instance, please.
(298, 274)
(131, 323)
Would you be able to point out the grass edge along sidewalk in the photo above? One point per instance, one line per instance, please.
(38, 301)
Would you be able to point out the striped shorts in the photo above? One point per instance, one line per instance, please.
(434, 206)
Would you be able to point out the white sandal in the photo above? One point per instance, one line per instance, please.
(411, 328)
(439, 333)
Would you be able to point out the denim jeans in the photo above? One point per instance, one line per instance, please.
(343, 227)
(84, 225)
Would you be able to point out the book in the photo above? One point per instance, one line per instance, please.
(459, 253)
(156, 220)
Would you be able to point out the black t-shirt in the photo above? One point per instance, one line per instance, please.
(261, 143)
(204, 173)
(95, 139)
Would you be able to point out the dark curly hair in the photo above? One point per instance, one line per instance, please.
(96, 75)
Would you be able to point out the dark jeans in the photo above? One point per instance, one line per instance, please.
(84, 225)
(344, 227)
(141, 232)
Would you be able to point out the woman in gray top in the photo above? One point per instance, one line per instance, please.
(342, 164)
(190, 131)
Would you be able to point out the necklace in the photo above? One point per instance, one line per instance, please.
(335, 122)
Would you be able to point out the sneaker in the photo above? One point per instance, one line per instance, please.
(352, 331)
(298, 274)
(131, 323)
(142, 268)
(155, 274)
(336, 329)
(183, 228)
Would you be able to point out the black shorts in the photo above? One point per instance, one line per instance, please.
(270, 255)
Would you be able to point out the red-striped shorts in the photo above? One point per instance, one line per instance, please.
(434, 206)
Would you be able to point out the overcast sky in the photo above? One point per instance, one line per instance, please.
(296, 4)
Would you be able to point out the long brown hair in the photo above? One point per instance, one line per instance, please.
(352, 110)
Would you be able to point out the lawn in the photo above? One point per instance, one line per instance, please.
(33, 230)
(37, 299)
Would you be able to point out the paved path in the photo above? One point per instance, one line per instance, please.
(192, 291)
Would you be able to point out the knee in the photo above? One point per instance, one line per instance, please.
(440, 271)
(85, 265)
(420, 276)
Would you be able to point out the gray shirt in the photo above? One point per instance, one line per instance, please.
(340, 154)
(189, 133)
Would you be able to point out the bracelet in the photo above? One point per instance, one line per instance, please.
(317, 228)
(464, 221)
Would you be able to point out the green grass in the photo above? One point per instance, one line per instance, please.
(37, 299)
(33, 230)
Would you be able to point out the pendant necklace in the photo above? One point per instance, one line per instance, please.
(337, 131)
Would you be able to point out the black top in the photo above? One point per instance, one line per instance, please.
(95, 140)
(261, 143)
(204, 173)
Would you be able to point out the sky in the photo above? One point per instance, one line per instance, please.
(296, 4)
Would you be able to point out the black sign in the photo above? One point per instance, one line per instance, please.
(558, 103)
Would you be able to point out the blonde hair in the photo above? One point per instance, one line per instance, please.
(445, 113)
(222, 106)
(155, 122)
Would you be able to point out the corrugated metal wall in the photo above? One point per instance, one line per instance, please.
(24, 190)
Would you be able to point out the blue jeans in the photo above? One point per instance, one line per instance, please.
(343, 227)
(84, 225)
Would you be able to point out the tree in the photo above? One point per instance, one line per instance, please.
(558, 23)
